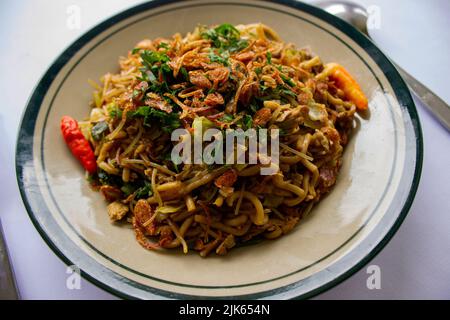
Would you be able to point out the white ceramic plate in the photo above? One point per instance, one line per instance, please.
(376, 186)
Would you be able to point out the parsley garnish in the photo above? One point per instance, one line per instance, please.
(163, 45)
(226, 37)
(106, 179)
(115, 112)
(247, 121)
(167, 121)
(226, 118)
(223, 58)
(151, 57)
(128, 189)
(288, 80)
(184, 73)
(288, 93)
(156, 71)
(269, 57)
(136, 93)
(254, 107)
(145, 191)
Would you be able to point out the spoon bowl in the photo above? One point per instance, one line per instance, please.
(352, 13)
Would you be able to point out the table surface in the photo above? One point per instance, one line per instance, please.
(414, 265)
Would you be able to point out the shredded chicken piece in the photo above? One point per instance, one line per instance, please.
(117, 210)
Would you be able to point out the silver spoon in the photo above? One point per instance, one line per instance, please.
(357, 16)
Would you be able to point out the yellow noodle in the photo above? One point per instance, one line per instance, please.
(279, 182)
(133, 142)
(222, 227)
(237, 221)
(190, 203)
(259, 217)
(155, 188)
(179, 236)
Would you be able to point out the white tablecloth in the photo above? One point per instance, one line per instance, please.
(416, 262)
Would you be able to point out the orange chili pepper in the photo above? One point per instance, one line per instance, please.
(78, 144)
(347, 84)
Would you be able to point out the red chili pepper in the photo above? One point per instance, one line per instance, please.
(78, 144)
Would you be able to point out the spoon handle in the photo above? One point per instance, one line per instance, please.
(438, 107)
(8, 289)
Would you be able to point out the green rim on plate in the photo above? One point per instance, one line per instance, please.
(24, 150)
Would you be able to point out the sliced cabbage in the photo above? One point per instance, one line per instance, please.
(85, 127)
(317, 112)
(97, 114)
(165, 211)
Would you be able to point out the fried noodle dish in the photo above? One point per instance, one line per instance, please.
(224, 77)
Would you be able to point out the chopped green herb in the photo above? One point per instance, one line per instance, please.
(90, 178)
(136, 93)
(165, 68)
(287, 80)
(151, 57)
(184, 73)
(168, 121)
(156, 72)
(106, 179)
(258, 70)
(163, 45)
(282, 132)
(175, 166)
(247, 121)
(226, 118)
(145, 191)
(211, 34)
(135, 50)
(288, 92)
(114, 111)
(226, 37)
(254, 107)
(168, 157)
(269, 57)
(128, 189)
(227, 31)
(223, 58)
